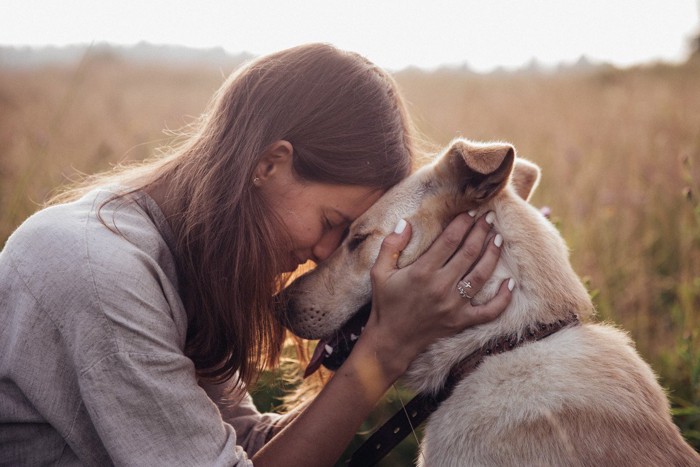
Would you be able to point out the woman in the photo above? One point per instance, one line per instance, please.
(136, 312)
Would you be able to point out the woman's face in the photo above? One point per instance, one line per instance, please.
(316, 216)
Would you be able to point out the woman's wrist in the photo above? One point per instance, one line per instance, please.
(380, 355)
(319, 434)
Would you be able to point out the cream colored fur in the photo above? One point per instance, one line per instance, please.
(582, 396)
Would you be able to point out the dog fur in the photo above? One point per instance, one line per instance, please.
(582, 396)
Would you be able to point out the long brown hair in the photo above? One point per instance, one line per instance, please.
(347, 124)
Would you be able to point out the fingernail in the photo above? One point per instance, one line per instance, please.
(498, 240)
(400, 226)
(511, 284)
(490, 217)
(472, 213)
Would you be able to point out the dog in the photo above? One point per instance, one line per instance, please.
(581, 396)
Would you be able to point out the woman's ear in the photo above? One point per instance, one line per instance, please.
(276, 160)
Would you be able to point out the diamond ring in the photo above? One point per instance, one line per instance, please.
(463, 288)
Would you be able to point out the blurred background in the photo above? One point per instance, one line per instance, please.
(604, 96)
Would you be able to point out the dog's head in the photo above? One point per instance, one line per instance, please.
(465, 176)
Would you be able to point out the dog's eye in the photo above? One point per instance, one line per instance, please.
(356, 240)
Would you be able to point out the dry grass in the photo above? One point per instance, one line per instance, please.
(57, 123)
(619, 151)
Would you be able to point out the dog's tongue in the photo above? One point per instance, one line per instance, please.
(332, 351)
(319, 354)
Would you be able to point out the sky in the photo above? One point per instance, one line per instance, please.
(395, 34)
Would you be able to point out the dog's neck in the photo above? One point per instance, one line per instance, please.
(535, 255)
(547, 289)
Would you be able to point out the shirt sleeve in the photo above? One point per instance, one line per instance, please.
(149, 410)
(237, 408)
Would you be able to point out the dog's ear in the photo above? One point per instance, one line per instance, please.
(482, 169)
(526, 176)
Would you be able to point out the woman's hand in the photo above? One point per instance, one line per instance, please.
(418, 304)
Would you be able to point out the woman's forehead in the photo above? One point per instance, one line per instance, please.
(348, 201)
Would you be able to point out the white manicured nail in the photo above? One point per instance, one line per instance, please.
(511, 284)
(400, 226)
(498, 240)
(472, 213)
(490, 217)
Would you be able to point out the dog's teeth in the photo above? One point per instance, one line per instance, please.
(353, 337)
(362, 329)
(329, 349)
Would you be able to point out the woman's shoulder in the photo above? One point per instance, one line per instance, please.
(48, 235)
(97, 239)
(100, 258)
(96, 225)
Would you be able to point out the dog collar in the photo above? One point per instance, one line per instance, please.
(409, 417)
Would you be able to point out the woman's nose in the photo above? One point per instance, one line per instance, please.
(327, 244)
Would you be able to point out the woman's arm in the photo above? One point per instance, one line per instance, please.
(405, 319)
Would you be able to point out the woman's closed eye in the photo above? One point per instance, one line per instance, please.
(327, 224)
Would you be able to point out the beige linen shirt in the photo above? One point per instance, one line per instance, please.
(92, 332)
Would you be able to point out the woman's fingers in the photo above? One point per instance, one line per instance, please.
(474, 263)
(465, 258)
(447, 243)
(480, 314)
(391, 248)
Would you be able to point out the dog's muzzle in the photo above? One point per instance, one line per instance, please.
(334, 350)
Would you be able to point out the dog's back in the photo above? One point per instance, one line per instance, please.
(579, 397)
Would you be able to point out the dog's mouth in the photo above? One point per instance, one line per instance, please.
(332, 351)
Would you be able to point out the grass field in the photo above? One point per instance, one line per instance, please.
(619, 149)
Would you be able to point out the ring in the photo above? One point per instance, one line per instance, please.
(462, 287)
